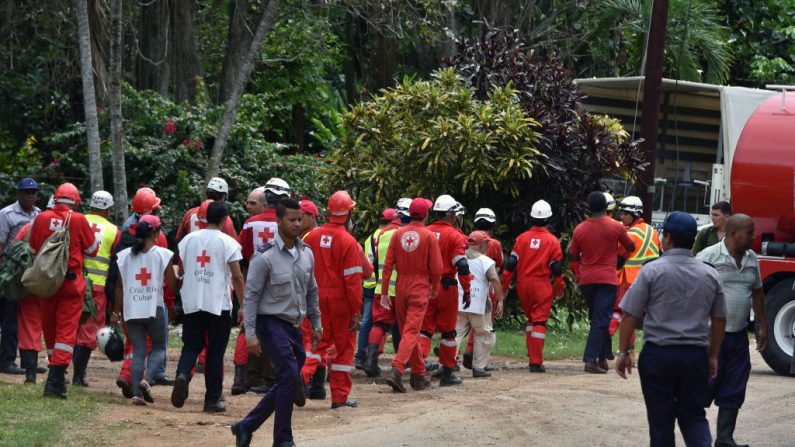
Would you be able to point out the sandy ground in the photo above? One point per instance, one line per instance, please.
(564, 407)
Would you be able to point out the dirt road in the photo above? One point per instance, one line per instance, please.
(563, 407)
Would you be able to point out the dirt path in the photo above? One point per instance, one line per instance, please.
(563, 407)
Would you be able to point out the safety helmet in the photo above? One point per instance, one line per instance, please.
(67, 193)
(201, 214)
(218, 184)
(340, 203)
(459, 210)
(446, 204)
(145, 200)
(611, 202)
(110, 343)
(402, 206)
(101, 200)
(51, 202)
(485, 214)
(277, 186)
(632, 205)
(541, 210)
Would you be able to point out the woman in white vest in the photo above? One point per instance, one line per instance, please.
(477, 317)
(139, 292)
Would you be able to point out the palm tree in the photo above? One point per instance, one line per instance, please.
(696, 47)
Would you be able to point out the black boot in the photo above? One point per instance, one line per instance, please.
(56, 382)
(28, 360)
(80, 360)
(239, 384)
(317, 384)
(448, 378)
(727, 419)
(371, 365)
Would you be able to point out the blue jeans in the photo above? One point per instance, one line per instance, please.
(600, 299)
(285, 347)
(137, 330)
(196, 328)
(674, 382)
(366, 323)
(160, 371)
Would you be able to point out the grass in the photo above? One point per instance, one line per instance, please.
(29, 419)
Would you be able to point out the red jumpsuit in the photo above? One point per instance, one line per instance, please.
(414, 252)
(29, 314)
(442, 313)
(61, 312)
(338, 271)
(535, 250)
(190, 223)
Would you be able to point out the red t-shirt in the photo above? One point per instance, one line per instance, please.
(81, 237)
(595, 240)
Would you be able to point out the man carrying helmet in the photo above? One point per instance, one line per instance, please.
(338, 271)
(217, 190)
(536, 256)
(647, 247)
(61, 313)
(442, 313)
(96, 268)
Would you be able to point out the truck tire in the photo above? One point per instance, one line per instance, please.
(780, 309)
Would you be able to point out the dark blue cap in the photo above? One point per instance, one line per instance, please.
(679, 222)
(27, 183)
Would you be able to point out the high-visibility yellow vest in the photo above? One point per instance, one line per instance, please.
(381, 239)
(647, 247)
(96, 267)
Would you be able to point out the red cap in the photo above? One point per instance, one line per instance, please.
(150, 219)
(419, 207)
(388, 214)
(307, 207)
(478, 237)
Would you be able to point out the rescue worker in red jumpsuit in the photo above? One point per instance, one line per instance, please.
(414, 253)
(535, 257)
(258, 375)
(442, 313)
(309, 215)
(61, 313)
(338, 271)
(217, 190)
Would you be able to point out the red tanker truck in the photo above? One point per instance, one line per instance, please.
(762, 185)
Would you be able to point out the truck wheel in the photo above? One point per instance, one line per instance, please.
(780, 309)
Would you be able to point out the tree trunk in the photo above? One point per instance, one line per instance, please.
(98, 24)
(89, 99)
(184, 58)
(264, 25)
(238, 43)
(116, 124)
(152, 68)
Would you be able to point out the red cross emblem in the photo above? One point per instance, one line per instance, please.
(266, 234)
(143, 276)
(325, 241)
(410, 240)
(203, 259)
(96, 227)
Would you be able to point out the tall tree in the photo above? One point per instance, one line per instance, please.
(184, 59)
(238, 43)
(116, 125)
(89, 98)
(236, 92)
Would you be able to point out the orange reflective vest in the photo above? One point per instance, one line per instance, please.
(647, 247)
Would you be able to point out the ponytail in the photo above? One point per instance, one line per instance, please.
(142, 231)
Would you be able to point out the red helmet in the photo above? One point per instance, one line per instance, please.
(340, 203)
(202, 213)
(145, 201)
(67, 193)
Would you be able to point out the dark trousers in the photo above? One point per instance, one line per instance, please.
(674, 381)
(366, 323)
(9, 339)
(195, 327)
(395, 336)
(734, 368)
(600, 299)
(284, 345)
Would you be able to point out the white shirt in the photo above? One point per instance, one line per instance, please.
(207, 282)
(142, 280)
(479, 287)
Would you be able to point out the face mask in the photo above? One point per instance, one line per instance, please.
(349, 225)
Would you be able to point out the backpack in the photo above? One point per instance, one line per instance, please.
(49, 268)
(18, 259)
(89, 305)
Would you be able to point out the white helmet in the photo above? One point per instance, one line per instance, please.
(485, 214)
(218, 184)
(632, 205)
(446, 204)
(103, 335)
(541, 210)
(402, 206)
(51, 202)
(101, 200)
(611, 202)
(459, 209)
(278, 187)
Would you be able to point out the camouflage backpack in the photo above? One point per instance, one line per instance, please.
(18, 259)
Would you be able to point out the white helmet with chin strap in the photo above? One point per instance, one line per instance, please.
(278, 187)
(218, 184)
(541, 210)
(611, 202)
(101, 200)
(485, 214)
(632, 205)
(446, 204)
(402, 206)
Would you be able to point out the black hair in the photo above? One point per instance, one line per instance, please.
(285, 204)
(539, 222)
(724, 207)
(682, 240)
(142, 231)
(439, 215)
(216, 195)
(484, 225)
(417, 218)
(216, 211)
(384, 221)
(597, 202)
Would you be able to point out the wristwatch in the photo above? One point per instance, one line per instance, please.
(622, 353)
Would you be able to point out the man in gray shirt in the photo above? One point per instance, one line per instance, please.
(280, 292)
(685, 316)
